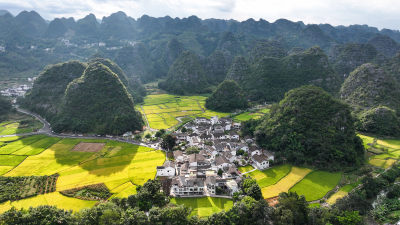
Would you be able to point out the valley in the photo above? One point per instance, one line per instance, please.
(195, 120)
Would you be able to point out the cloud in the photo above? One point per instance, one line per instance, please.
(379, 13)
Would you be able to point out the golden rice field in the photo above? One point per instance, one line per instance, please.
(162, 110)
(120, 166)
(296, 175)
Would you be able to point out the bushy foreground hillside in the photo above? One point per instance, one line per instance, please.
(76, 97)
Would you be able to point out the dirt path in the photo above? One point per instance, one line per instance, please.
(198, 103)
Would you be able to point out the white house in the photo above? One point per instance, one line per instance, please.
(202, 120)
(221, 162)
(261, 161)
(166, 170)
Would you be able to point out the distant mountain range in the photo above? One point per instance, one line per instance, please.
(28, 42)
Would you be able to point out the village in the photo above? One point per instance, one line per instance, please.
(208, 156)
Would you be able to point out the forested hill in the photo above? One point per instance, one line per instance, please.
(93, 97)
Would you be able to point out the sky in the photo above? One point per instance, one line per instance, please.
(377, 13)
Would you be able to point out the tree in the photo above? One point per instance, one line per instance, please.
(379, 120)
(168, 142)
(147, 196)
(250, 187)
(350, 218)
(5, 107)
(169, 215)
(160, 133)
(227, 97)
(310, 127)
(291, 209)
(220, 172)
(192, 150)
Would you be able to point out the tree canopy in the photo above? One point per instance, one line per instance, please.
(227, 97)
(310, 127)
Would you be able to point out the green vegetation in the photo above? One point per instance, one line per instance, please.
(45, 98)
(310, 127)
(16, 123)
(380, 120)
(375, 97)
(133, 85)
(98, 103)
(271, 77)
(84, 98)
(15, 188)
(204, 206)
(347, 57)
(239, 70)
(186, 76)
(90, 192)
(227, 98)
(5, 107)
(316, 184)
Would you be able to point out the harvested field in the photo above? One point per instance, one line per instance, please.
(88, 147)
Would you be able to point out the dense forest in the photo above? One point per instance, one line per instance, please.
(310, 127)
(93, 97)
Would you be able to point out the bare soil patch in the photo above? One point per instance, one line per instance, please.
(88, 147)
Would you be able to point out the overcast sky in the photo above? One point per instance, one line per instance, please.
(378, 13)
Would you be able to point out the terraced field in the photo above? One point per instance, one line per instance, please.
(120, 166)
(162, 110)
(383, 152)
(342, 192)
(314, 185)
(204, 206)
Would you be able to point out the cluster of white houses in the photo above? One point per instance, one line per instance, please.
(213, 170)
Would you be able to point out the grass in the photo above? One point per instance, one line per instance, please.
(204, 206)
(54, 198)
(296, 174)
(342, 192)
(271, 176)
(316, 184)
(245, 169)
